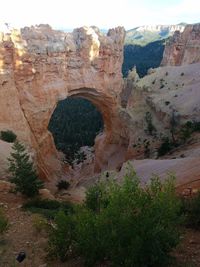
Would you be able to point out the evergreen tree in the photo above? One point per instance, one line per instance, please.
(23, 172)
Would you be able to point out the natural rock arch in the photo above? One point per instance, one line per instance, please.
(108, 108)
(40, 66)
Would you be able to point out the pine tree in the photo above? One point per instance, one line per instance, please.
(23, 172)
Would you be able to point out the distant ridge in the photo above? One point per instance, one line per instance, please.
(143, 35)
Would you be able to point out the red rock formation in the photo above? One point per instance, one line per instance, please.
(40, 66)
(183, 48)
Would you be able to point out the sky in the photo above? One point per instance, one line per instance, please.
(104, 14)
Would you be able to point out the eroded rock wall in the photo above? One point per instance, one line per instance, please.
(183, 48)
(40, 66)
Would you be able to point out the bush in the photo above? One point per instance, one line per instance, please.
(61, 237)
(24, 175)
(167, 103)
(188, 128)
(97, 197)
(127, 225)
(191, 210)
(3, 222)
(165, 147)
(196, 126)
(39, 223)
(63, 185)
(8, 136)
(47, 208)
(185, 133)
(150, 127)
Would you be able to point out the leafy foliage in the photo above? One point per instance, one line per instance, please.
(97, 197)
(47, 208)
(165, 146)
(61, 237)
(8, 136)
(191, 209)
(150, 127)
(127, 225)
(3, 222)
(75, 123)
(63, 185)
(40, 223)
(188, 128)
(182, 135)
(22, 170)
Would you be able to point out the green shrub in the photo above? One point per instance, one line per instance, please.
(97, 197)
(187, 129)
(3, 222)
(196, 126)
(47, 208)
(167, 103)
(147, 149)
(150, 127)
(63, 185)
(40, 223)
(61, 237)
(165, 147)
(126, 225)
(185, 133)
(8, 136)
(191, 210)
(23, 173)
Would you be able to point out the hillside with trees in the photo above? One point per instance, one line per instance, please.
(144, 46)
(143, 57)
(75, 123)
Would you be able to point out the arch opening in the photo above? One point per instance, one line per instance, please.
(74, 124)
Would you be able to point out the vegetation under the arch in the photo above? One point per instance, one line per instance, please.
(75, 123)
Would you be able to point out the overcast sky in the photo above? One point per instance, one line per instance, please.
(102, 13)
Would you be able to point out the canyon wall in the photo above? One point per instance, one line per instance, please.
(40, 66)
(183, 48)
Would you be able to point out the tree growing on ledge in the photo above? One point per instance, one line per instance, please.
(22, 171)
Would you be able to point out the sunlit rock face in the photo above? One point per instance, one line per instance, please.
(40, 66)
(183, 48)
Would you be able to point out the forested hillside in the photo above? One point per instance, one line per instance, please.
(143, 57)
(75, 123)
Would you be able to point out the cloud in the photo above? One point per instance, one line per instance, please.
(187, 9)
(104, 14)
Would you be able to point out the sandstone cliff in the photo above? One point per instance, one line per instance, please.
(171, 90)
(183, 48)
(40, 66)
